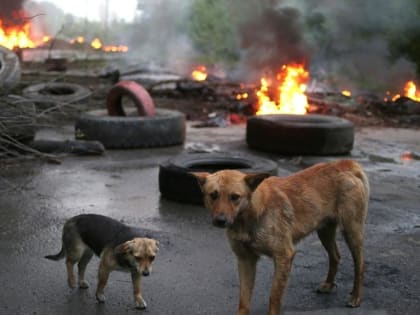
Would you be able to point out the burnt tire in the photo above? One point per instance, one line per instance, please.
(165, 128)
(9, 69)
(18, 118)
(56, 93)
(135, 92)
(300, 134)
(176, 183)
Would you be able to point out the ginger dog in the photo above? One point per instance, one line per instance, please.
(120, 247)
(269, 215)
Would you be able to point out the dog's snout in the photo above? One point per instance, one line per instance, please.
(145, 273)
(220, 221)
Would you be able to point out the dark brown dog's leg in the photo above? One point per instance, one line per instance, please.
(327, 237)
(353, 235)
(282, 267)
(86, 257)
(136, 278)
(70, 275)
(103, 275)
(247, 267)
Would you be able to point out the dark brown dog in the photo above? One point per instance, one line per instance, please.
(268, 216)
(120, 247)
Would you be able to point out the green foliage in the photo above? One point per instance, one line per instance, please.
(212, 31)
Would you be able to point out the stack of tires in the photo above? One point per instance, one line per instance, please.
(144, 127)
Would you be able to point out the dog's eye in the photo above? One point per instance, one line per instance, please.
(138, 258)
(214, 195)
(234, 197)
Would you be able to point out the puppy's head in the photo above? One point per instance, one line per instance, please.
(139, 253)
(227, 193)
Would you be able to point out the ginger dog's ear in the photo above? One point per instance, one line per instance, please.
(201, 177)
(253, 180)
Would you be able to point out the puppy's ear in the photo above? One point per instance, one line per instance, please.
(123, 248)
(201, 177)
(253, 180)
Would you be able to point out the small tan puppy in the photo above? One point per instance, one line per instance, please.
(268, 216)
(120, 247)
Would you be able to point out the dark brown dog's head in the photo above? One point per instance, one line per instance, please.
(227, 193)
(139, 253)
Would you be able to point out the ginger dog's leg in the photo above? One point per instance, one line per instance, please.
(327, 237)
(282, 268)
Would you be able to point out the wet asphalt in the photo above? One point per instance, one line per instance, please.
(195, 271)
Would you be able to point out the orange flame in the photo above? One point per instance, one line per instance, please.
(290, 98)
(199, 73)
(346, 93)
(16, 36)
(96, 43)
(410, 90)
(115, 48)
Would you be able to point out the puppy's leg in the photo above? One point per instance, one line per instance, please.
(327, 237)
(247, 268)
(282, 267)
(140, 302)
(103, 275)
(86, 257)
(354, 237)
(70, 275)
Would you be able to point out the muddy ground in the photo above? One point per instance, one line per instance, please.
(195, 271)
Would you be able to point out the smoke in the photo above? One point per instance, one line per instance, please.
(10, 12)
(271, 39)
(350, 42)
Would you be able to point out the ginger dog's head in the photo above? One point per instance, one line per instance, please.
(227, 193)
(139, 253)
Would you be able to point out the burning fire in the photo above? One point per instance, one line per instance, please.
(16, 36)
(410, 91)
(289, 92)
(199, 73)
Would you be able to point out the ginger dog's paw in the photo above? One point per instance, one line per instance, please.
(83, 284)
(353, 301)
(326, 287)
(141, 304)
(100, 297)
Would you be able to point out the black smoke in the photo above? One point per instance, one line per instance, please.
(11, 12)
(272, 39)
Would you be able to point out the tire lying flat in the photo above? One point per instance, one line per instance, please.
(165, 128)
(176, 183)
(57, 93)
(300, 134)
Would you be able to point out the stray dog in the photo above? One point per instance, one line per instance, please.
(119, 246)
(269, 215)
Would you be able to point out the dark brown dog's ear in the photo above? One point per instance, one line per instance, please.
(253, 180)
(201, 177)
(123, 248)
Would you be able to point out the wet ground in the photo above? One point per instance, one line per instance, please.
(195, 271)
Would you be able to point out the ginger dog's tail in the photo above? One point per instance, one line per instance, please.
(58, 256)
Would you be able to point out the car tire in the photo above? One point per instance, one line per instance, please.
(56, 93)
(176, 182)
(9, 69)
(165, 128)
(138, 95)
(300, 134)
